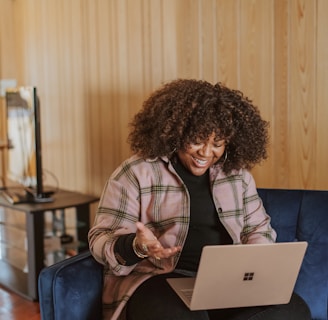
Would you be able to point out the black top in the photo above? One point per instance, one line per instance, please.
(205, 226)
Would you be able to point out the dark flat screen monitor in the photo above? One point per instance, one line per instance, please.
(24, 140)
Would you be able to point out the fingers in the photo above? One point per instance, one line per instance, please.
(164, 252)
(150, 245)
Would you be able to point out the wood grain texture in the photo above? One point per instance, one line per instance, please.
(226, 41)
(279, 149)
(257, 63)
(321, 94)
(303, 109)
(94, 62)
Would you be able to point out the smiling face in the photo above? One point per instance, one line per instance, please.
(199, 156)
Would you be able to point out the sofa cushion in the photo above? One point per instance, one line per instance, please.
(312, 283)
(283, 207)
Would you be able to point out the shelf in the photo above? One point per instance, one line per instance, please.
(59, 255)
(30, 237)
(17, 258)
(12, 236)
(14, 256)
(12, 217)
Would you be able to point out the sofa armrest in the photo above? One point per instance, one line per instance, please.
(71, 289)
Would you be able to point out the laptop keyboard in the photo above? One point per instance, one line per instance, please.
(187, 293)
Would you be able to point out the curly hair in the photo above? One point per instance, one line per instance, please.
(185, 111)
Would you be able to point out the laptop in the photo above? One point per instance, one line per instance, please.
(231, 276)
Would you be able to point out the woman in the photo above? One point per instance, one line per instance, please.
(188, 185)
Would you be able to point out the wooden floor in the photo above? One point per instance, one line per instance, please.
(14, 307)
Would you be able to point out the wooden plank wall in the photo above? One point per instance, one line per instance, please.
(94, 62)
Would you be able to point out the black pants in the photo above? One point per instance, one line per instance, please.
(155, 300)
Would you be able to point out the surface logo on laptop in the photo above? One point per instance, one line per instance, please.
(248, 276)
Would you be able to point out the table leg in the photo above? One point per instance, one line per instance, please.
(83, 224)
(35, 250)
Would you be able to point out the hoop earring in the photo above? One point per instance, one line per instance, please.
(172, 153)
(225, 157)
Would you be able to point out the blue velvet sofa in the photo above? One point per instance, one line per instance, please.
(71, 289)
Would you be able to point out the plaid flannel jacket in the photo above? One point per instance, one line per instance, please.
(150, 191)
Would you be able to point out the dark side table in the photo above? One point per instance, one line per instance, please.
(25, 282)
